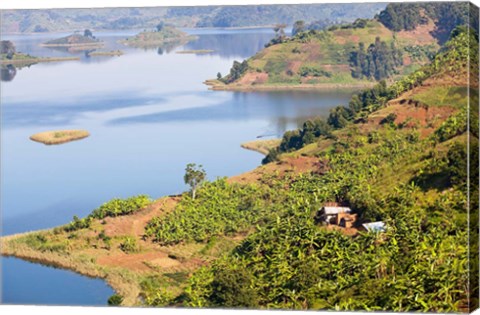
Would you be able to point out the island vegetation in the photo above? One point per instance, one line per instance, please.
(59, 136)
(161, 36)
(10, 57)
(78, 41)
(397, 153)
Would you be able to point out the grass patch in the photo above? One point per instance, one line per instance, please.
(456, 96)
(59, 136)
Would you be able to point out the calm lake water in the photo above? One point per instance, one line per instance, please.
(148, 114)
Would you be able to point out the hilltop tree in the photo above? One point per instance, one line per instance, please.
(298, 27)
(160, 26)
(194, 176)
(8, 48)
(279, 30)
(88, 33)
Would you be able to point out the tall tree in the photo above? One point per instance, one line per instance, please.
(194, 176)
(298, 27)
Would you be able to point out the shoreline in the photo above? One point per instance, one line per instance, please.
(261, 146)
(121, 280)
(114, 278)
(36, 60)
(86, 45)
(214, 85)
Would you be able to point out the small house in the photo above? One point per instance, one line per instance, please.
(334, 214)
(377, 227)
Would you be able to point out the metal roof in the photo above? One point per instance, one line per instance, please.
(336, 210)
(375, 226)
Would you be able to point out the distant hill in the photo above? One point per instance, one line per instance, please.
(73, 40)
(394, 43)
(29, 21)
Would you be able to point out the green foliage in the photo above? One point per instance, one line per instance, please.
(115, 300)
(447, 16)
(219, 209)
(296, 139)
(7, 48)
(117, 207)
(419, 264)
(154, 293)
(298, 27)
(313, 71)
(129, 245)
(457, 163)
(236, 72)
(390, 119)
(78, 224)
(379, 61)
(44, 243)
(452, 127)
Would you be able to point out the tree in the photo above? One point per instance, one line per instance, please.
(219, 76)
(160, 26)
(194, 176)
(88, 33)
(279, 30)
(8, 48)
(298, 27)
(115, 300)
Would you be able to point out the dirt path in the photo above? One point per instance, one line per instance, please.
(134, 224)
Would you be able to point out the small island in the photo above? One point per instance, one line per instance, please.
(79, 41)
(59, 136)
(106, 53)
(162, 35)
(10, 56)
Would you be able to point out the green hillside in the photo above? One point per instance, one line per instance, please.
(391, 159)
(397, 153)
(353, 54)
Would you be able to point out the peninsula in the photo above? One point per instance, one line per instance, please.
(352, 55)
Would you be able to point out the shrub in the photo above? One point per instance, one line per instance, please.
(129, 245)
(115, 300)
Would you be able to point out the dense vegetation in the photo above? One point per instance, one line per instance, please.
(219, 209)
(447, 15)
(379, 61)
(290, 262)
(416, 185)
(456, 54)
(74, 39)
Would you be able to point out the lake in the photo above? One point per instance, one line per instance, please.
(148, 113)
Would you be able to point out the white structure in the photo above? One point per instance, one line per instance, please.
(375, 226)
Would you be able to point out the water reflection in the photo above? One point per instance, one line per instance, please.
(230, 45)
(8, 73)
